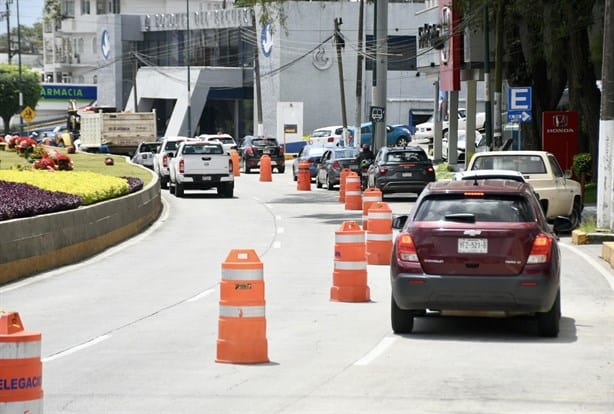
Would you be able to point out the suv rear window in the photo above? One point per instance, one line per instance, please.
(405, 156)
(498, 208)
(265, 141)
(526, 164)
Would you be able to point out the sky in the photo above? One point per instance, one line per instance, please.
(30, 11)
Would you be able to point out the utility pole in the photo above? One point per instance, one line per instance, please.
(360, 58)
(605, 187)
(497, 134)
(259, 126)
(340, 44)
(487, 104)
(381, 72)
(189, 57)
(135, 70)
(8, 31)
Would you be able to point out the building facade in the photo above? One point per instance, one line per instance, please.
(194, 62)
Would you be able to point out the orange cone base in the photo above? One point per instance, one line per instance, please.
(242, 352)
(350, 294)
(378, 258)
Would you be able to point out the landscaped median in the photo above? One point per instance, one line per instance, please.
(51, 218)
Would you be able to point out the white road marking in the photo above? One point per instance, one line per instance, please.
(280, 230)
(77, 348)
(276, 244)
(201, 295)
(607, 274)
(377, 351)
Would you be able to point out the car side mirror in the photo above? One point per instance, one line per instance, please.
(398, 222)
(567, 174)
(170, 154)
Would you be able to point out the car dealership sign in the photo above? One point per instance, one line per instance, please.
(560, 135)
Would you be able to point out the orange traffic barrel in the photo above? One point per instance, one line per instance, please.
(342, 176)
(353, 192)
(350, 272)
(242, 321)
(236, 168)
(303, 181)
(379, 235)
(21, 370)
(266, 169)
(369, 196)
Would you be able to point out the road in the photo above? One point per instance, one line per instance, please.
(135, 329)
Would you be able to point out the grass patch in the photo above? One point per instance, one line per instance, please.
(84, 162)
(590, 193)
(443, 171)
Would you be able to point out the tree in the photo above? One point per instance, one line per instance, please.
(9, 92)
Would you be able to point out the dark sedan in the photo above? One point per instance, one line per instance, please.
(400, 170)
(477, 247)
(332, 162)
(253, 148)
(311, 154)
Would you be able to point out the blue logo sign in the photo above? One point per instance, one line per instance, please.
(519, 104)
(266, 40)
(105, 45)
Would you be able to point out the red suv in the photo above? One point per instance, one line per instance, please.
(476, 245)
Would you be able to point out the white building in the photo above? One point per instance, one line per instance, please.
(103, 41)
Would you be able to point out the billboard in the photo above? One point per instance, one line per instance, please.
(450, 53)
(560, 135)
(65, 91)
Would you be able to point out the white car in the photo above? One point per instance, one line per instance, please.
(145, 152)
(228, 142)
(490, 175)
(426, 130)
(331, 135)
(161, 159)
(461, 144)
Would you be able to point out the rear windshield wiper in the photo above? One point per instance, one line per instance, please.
(462, 217)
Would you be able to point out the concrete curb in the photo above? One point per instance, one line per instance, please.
(36, 244)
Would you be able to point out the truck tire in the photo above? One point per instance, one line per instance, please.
(281, 169)
(226, 190)
(179, 190)
(246, 169)
(164, 182)
(171, 187)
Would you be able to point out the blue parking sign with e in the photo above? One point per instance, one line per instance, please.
(519, 99)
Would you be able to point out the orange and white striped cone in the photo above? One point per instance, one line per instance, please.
(369, 196)
(379, 235)
(353, 192)
(350, 273)
(242, 321)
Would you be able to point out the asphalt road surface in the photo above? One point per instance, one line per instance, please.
(135, 329)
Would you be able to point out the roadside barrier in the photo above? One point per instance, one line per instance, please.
(353, 192)
(21, 370)
(350, 267)
(342, 177)
(303, 180)
(242, 321)
(379, 236)
(266, 169)
(236, 168)
(369, 196)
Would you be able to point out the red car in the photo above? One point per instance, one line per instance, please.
(473, 246)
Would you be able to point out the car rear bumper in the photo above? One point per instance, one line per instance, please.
(401, 186)
(523, 293)
(255, 162)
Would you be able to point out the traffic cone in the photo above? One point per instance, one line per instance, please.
(342, 176)
(353, 192)
(350, 273)
(369, 196)
(303, 182)
(266, 170)
(379, 235)
(236, 168)
(242, 322)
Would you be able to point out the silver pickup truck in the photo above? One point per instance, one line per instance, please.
(201, 165)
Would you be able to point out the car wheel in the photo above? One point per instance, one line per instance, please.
(246, 169)
(318, 182)
(178, 190)
(294, 176)
(402, 141)
(329, 184)
(164, 182)
(576, 214)
(548, 322)
(171, 188)
(226, 190)
(281, 169)
(402, 320)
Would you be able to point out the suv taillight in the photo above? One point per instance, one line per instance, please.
(406, 249)
(541, 250)
(281, 150)
(249, 151)
(230, 165)
(181, 164)
(165, 161)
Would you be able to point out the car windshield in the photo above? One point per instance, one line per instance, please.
(495, 207)
(320, 133)
(346, 153)
(264, 141)
(224, 140)
(172, 145)
(203, 149)
(526, 164)
(405, 156)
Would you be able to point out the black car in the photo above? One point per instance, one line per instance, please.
(400, 170)
(254, 147)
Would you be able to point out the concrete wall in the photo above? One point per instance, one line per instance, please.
(41, 243)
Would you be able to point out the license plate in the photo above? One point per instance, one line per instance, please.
(205, 178)
(473, 245)
(407, 174)
(266, 151)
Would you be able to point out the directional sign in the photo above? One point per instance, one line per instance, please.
(28, 114)
(519, 116)
(377, 113)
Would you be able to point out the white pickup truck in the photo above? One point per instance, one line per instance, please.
(200, 165)
(558, 194)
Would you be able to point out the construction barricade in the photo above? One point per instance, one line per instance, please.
(21, 370)
(369, 196)
(379, 235)
(303, 180)
(236, 168)
(242, 321)
(350, 271)
(353, 192)
(266, 169)
(342, 176)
